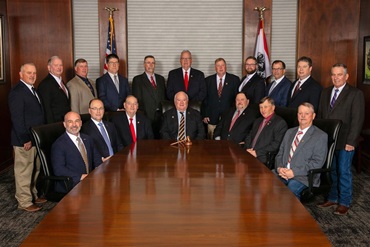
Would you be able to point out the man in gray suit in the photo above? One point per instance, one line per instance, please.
(303, 148)
(344, 102)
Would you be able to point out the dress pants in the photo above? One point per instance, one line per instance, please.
(26, 171)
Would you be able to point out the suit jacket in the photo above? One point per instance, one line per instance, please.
(25, 112)
(197, 90)
(310, 92)
(122, 124)
(280, 92)
(310, 153)
(241, 127)
(214, 106)
(66, 159)
(80, 94)
(255, 88)
(107, 91)
(350, 108)
(55, 102)
(149, 98)
(194, 127)
(270, 137)
(89, 128)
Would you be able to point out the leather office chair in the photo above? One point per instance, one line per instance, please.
(44, 136)
(331, 127)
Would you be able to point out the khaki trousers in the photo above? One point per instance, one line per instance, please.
(26, 171)
(210, 129)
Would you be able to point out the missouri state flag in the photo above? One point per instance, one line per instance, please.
(111, 42)
(262, 53)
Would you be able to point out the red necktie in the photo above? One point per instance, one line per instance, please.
(294, 146)
(296, 89)
(132, 131)
(219, 90)
(153, 82)
(63, 88)
(186, 81)
(234, 120)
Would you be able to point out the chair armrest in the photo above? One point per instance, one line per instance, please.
(270, 159)
(313, 172)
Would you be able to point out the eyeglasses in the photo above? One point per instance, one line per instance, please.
(277, 68)
(97, 109)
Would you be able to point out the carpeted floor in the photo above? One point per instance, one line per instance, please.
(350, 230)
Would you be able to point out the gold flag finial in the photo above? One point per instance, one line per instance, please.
(261, 10)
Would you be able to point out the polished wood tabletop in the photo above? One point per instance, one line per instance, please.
(153, 194)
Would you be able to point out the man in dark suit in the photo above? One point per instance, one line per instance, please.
(102, 132)
(267, 132)
(186, 79)
(192, 120)
(149, 89)
(252, 84)
(278, 89)
(221, 90)
(303, 148)
(305, 88)
(236, 124)
(25, 111)
(54, 94)
(112, 88)
(73, 154)
(132, 125)
(345, 102)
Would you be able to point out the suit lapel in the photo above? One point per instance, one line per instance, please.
(304, 139)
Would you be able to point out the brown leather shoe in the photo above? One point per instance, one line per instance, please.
(327, 204)
(32, 208)
(341, 210)
(40, 200)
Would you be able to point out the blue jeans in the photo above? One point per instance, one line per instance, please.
(341, 175)
(293, 185)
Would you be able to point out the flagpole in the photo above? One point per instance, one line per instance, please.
(111, 41)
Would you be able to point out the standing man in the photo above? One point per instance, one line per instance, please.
(267, 132)
(131, 125)
(345, 102)
(102, 132)
(112, 88)
(81, 89)
(221, 90)
(54, 94)
(305, 88)
(186, 79)
(302, 149)
(26, 111)
(252, 84)
(149, 89)
(73, 154)
(236, 124)
(278, 89)
(182, 121)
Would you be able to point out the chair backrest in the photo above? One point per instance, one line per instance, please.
(44, 137)
(330, 127)
(288, 114)
(167, 105)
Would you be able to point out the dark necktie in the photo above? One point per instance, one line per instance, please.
(186, 81)
(219, 89)
(35, 94)
(63, 88)
(182, 128)
(260, 128)
(296, 89)
(132, 129)
(332, 102)
(105, 137)
(88, 84)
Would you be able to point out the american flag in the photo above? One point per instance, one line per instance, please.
(111, 42)
(262, 53)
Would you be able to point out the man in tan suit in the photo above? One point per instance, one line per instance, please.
(81, 89)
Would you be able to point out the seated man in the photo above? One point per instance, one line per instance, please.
(182, 121)
(267, 132)
(102, 132)
(73, 154)
(303, 148)
(236, 124)
(132, 125)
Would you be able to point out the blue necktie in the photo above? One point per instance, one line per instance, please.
(332, 102)
(106, 139)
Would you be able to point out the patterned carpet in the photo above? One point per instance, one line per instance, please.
(350, 230)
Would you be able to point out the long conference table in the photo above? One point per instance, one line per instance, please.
(211, 193)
